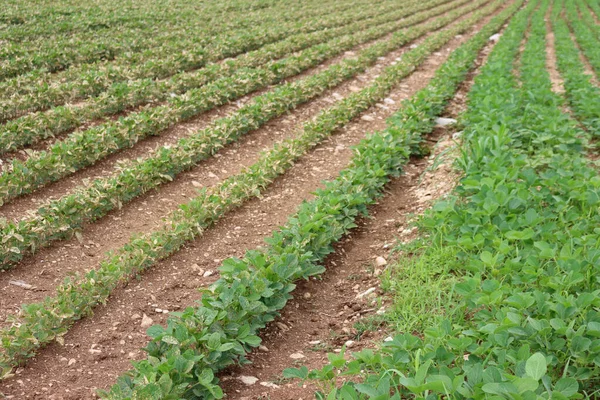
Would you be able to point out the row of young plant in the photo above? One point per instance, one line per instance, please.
(197, 343)
(59, 218)
(588, 18)
(583, 96)
(78, 151)
(59, 55)
(521, 232)
(585, 38)
(139, 46)
(595, 7)
(77, 296)
(34, 127)
(38, 91)
(146, 20)
(19, 22)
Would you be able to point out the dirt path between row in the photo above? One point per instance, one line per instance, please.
(48, 267)
(105, 167)
(326, 314)
(99, 348)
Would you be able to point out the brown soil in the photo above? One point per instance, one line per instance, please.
(551, 63)
(587, 67)
(48, 267)
(324, 314)
(98, 348)
(140, 149)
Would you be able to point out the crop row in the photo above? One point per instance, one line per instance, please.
(143, 19)
(522, 233)
(62, 53)
(595, 8)
(43, 322)
(37, 92)
(583, 96)
(585, 38)
(184, 356)
(34, 127)
(587, 17)
(26, 23)
(76, 151)
(57, 219)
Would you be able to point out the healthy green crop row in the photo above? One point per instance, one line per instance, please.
(63, 53)
(37, 92)
(184, 356)
(522, 233)
(583, 96)
(595, 7)
(57, 219)
(588, 18)
(43, 322)
(586, 39)
(34, 127)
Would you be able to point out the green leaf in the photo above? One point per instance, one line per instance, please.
(567, 386)
(536, 366)
(170, 339)
(296, 373)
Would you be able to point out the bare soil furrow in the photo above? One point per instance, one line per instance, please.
(558, 85)
(587, 67)
(99, 348)
(17, 207)
(46, 269)
(143, 147)
(326, 314)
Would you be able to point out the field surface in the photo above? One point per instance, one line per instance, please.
(265, 199)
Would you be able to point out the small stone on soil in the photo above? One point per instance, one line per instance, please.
(270, 385)
(248, 380)
(297, 356)
(365, 293)
(146, 321)
(444, 121)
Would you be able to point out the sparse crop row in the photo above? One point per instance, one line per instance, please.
(197, 343)
(61, 53)
(522, 233)
(80, 297)
(57, 219)
(34, 127)
(583, 96)
(46, 321)
(35, 92)
(84, 148)
(147, 19)
(52, 20)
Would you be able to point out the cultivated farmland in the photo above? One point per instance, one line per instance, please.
(281, 200)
